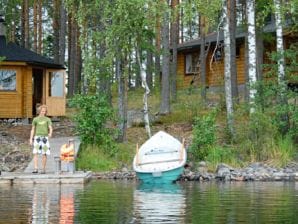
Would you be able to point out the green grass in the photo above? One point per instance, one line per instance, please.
(256, 141)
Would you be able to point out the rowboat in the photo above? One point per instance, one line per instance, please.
(160, 159)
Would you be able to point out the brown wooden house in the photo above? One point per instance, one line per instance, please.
(188, 71)
(27, 80)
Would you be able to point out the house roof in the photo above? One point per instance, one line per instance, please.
(213, 37)
(14, 53)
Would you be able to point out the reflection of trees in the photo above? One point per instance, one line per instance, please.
(240, 202)
(105, 202)
(7, 79)
(56, 83)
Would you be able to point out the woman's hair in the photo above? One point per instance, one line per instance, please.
(41, 107)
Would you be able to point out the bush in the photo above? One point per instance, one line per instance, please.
(203, 136)
(92, 116)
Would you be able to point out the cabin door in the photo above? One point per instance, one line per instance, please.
(37, 78)
(55, 92)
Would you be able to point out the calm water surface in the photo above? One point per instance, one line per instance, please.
(129, 202)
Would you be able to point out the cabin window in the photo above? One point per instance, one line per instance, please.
(56, 83)
(192, 63)
(8, 80)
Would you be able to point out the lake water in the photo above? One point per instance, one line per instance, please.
(130, 202)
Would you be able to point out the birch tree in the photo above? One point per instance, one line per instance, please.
(251, 47)
(279, 45)
(227, 69)
(145, 96)
(281, 64)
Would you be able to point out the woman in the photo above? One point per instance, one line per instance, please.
(39, 137)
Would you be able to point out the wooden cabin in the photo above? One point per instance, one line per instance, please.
(27, 80)
(188, 71)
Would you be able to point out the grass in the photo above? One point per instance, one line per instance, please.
(248, 147)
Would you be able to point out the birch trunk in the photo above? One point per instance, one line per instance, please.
(145, 98)
(251, 40)
(279, 43)
(281, 67)
(227, 70)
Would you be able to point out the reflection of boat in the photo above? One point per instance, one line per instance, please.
(159, 204)
(160, 159)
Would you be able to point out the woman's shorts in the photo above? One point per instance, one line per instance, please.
(41, 145)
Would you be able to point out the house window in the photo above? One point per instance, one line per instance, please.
(192, 63)
(8, 80)
(56, 82)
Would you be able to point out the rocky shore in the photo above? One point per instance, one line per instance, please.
(254, 172)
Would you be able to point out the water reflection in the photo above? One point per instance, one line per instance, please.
(67, 208)
(40, 206)
(127, 202)
(159, 204)
(38, 203)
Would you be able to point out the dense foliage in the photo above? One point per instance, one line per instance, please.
(92, 118)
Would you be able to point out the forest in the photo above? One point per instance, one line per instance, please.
(125, 55)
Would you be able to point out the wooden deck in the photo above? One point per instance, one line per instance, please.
(78, 177)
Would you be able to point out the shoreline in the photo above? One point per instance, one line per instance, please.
(254, 172)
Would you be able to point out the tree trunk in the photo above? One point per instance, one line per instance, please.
(122, 100)
(174, 42)
(62, 31)
(157, 52)
(281, 67)
(56, 28)
(39, 31)
(71, 55)
(203, 58)
(146, 94)
(149, 66)
(165, 83)
(227, 72)
(35, 9)
(25, 24)
(251, 39)
(232, 31)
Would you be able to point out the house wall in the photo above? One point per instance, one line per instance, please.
(214, 70)
(17, 104)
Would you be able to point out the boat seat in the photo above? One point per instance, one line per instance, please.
(163, 161)
(159, 152)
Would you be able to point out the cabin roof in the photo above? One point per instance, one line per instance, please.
(218, 36)
(14, 53)
(210, 38)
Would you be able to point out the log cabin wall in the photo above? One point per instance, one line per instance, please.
(214, 70)
(14, 103)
